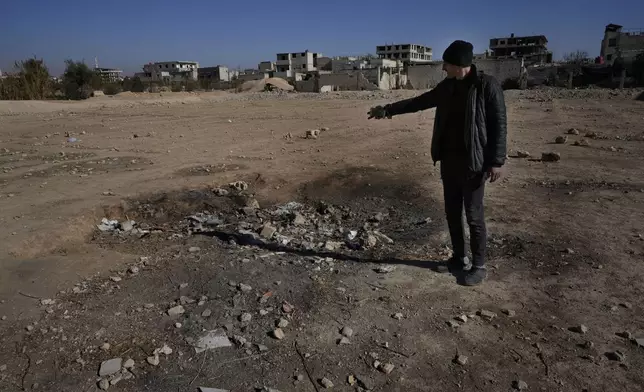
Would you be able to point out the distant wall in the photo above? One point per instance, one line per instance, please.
(429, 75)
(335, 82)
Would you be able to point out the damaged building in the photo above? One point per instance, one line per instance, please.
(169, 71)
(407, 53)
(288, 65)
(533, 49)
(620, 43)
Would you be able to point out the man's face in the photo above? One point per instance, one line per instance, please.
(453, 71)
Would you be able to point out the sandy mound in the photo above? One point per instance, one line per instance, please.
(256, 86)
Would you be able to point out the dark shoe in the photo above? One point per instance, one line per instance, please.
(475, 277)
(459, 264)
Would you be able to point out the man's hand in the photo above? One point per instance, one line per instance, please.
(495, 173)
(378, 112)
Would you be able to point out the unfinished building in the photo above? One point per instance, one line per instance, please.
(290, 64)
(620, 43)
(407, 53)
(169, 71)
(533, 49)
(215, 74)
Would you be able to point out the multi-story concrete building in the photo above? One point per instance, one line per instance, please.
(620, 43)
(169, 71)
(407, 53)
(533, 49)
(266, 66)
(214, 74)
(290, 64)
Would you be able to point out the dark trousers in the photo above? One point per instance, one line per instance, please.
(463, 188)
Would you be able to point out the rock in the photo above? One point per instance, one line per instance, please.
(127, 226)
(133, 270)
(244, 287)
(153, 360)
(588, 345)
(46, 302)
(3, 368)
(332, 245)
(128, 364)
(509, 312)
(561, 139)
(238, 186)
(573, 131)
(194, 249)
(462, 318)
(220, 192)
(550, 157)
(369, 241)
(206, 313)
(461, 360)
(325, 382)
(591, 134)
(178, 325)
(398, 316)
(103, 384)
(453, 324)
(639, 342)
(175, 311)
(312, 134)
(379, 217)
(278, 334)
(262, 348)
(523, 154)
(115, 279)
(582, 143)
(29, 328)
(616, 356)
(383, 238)
(105, 346)
(626, 305)
(346, 331)
(299, 219)
(116, 378)
(268, 231)
(109, 367)
(582, 329)
(385, 269)
(387, 368)
(163, 350)
(240, 340)
(211, 340)
(351, 380)
(344, 340)
(245, 317)
(520, 385)
(287, 307)
(486, 314)
(282, 323)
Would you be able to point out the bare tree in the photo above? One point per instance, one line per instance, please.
(576, 57)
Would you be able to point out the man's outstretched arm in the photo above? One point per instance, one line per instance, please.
(424, 101)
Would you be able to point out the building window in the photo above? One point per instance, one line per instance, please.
(612, 42)
(502, 42)
(166, 65)
(609, 57)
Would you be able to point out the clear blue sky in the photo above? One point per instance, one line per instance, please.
(127, 34)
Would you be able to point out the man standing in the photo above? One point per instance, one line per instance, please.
(469, 140)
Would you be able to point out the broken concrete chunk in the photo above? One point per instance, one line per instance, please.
(279, 334)
(282, 323)
(519, 385)
(175, 311)
(332, 245)
(206, 313)
(509, 312)
(561, 139)
(387, 368)
(344, 340)
(397, 316)
(109, 367)
(461, 360)
(103, 384)
(385, 269)
(579, 329)
(326, 383)
(238, 186)
(346, 331)
(245, 317)
(153, 360)
(128, 364)
(616, 356)
(244, 287)
(268, 231)
(486, 314)
(312, 133)
(211, 340)
(462, 318)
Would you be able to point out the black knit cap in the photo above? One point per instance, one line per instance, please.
(459, 53)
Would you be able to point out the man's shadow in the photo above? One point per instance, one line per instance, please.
(438, 266)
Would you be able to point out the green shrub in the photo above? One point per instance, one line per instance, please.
(112, 89)
(31, 81)
(78, 80)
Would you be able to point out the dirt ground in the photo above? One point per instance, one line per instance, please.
(565, 252)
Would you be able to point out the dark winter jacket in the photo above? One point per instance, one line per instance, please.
(485, 122)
